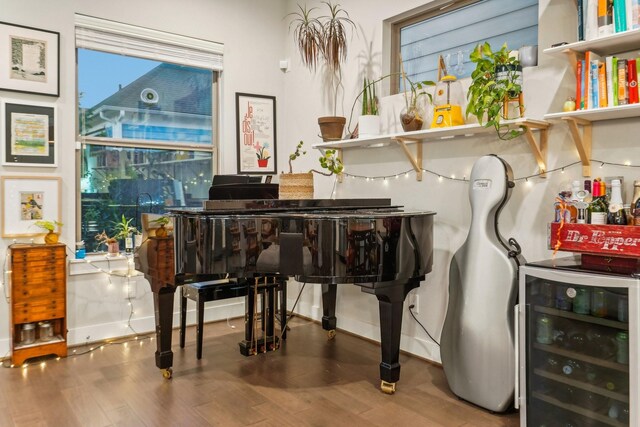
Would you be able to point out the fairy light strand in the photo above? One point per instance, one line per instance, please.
(452, 177)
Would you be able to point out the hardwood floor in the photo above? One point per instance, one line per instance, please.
(309, 382)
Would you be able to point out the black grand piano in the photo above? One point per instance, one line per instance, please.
(365, 242)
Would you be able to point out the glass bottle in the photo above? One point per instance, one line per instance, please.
(622, 347)
(573, 201)
(635, 206)
(582, 300)
(544, 330)
(128, 243)
(597, 207)
(616, 214)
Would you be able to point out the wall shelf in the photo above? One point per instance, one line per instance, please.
(419, 137)
(608, 45)
(579, 123)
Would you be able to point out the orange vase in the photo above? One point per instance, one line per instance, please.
(50, 238)
(161, 231)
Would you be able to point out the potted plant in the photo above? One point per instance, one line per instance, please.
(52, 236)
(369, 121)
(496, 81)
(412, 116)
(324, 39)
(300, 185)
(111, 243)
(124, 230)
(162, 221)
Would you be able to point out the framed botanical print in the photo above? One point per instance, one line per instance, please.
(28, 133)
(27, 199)
(30, 60)
(256, 134)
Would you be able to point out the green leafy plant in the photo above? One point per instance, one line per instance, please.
(48, 225)
(411, 117)
(123, 228)
(329, 161)
(495, 80)
(163, 220)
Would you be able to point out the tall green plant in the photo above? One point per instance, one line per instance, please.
(369, 98)
(488, 92)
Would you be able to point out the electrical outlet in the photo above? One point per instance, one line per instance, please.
(414, 301)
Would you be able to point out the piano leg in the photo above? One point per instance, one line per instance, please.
(390, 302)
(329, 293)
(163, 304)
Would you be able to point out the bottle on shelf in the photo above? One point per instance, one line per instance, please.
(623, 308)
(544, 329)
(622, 347)
(598, 302)
(578, 206)
(635, 205)
(616, 214)
(598, 206)
(573, 368)
(563, 301)
(582, 300)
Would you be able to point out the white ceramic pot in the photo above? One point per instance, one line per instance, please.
(368, 126)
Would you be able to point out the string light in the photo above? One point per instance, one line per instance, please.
(452, 177)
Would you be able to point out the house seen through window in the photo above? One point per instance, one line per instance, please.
(147, 132)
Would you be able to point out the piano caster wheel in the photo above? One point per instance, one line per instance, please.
(388, 388)
(167, 373)
(331, 334)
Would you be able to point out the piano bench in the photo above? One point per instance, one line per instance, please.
(201, 292)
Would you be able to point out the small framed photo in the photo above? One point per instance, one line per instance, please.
(256, 134)
(32, 62)
(28, 134)
(27, 199)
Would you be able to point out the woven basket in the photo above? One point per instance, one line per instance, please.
(296, 186)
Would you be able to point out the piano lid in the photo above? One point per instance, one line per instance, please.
(261, 206)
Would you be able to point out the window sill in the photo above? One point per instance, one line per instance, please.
(101, 263)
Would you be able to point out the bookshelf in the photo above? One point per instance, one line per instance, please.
(580, 121)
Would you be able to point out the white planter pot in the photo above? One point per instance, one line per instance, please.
(368, 126)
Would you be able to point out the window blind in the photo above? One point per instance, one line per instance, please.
(454, 34)
(116, 37)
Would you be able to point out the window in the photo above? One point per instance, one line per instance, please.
(146, 119)
(453, 30)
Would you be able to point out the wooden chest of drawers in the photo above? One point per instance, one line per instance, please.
(38, 301)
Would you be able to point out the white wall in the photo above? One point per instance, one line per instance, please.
(531, 205)
(256, 37)
(253, 35)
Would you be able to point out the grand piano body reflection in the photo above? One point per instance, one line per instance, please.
(365, 242)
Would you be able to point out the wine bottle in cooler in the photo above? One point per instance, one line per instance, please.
(616, 214)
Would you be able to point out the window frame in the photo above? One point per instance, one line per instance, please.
(213, 147)
(396, 27)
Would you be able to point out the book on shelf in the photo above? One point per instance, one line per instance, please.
(606, 81)
(599, 18)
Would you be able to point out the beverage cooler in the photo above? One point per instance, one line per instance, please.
(577, 346)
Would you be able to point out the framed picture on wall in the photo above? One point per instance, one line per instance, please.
(28, 134)
(256, 134)
(30, 60)
(27, 199)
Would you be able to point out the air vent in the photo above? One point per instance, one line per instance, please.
(149, 96)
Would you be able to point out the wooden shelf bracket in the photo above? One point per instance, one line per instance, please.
(416, 161)
(539, 150)
(582, 141)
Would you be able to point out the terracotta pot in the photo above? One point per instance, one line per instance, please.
(332, 127)
(296, 186)
(51, 237)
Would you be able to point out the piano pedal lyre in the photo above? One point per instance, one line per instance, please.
(388, 388)
(260, 318)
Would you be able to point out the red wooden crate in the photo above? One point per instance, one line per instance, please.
(614, 240)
